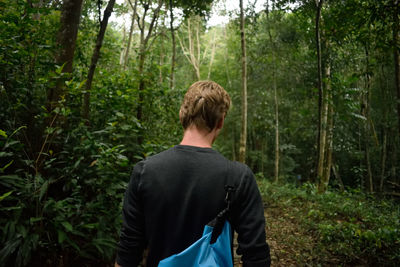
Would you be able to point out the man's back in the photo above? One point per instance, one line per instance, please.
(172, 195)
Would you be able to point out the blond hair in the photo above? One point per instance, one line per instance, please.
(204, 105)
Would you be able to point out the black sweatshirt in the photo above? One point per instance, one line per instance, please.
(171, 196)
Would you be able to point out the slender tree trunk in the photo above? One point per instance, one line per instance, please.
(383, 159)
(121, 56)
(322, 136)
(329, 149)
(243, 133)
(276, 172)
(173, 58)
(144, 45)
(142, 58)
(384, 128)
(277, 152)
(228, 77)
(66, 40)
(192, 53)
(320, 151)
(396, 55)
(325, 153)
(337, 175)
(367, 101)
(128, 47)
(162, 55)
(212, 56)
(95, 58)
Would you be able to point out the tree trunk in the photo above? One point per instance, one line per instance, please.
(322, 135)
(228, 77)
(337, 175)
(326, 136)
(243, 133)
(383, 159)
(320, 151)
(396, 55)
(66, 40)
(366, 104)
(144, 46)
(173, 58)
(212, 56)
(329, 149)
(95, 58)
(128, 47)
(277, 156)
(383, 86)
(276, 172)
(121, 56)
(162, 54)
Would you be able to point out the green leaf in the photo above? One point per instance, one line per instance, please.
(91, 225)
(11, 208)
(61, 236)
(60, 68)
(3, 133)
(32, 220)
(358, 116)
(8, 249)
(67, 226)
(5, 195)
(76, 247)
(7, 165)
(43, 189)
(19, 128)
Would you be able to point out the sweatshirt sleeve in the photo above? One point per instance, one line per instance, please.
(249, 222)
(132, 237)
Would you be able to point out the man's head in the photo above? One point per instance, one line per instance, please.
(204, 105)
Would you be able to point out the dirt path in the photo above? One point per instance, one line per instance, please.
(289, 244)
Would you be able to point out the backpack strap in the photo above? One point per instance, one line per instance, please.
(219, 221)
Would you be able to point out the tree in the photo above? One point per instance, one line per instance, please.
(70, 17)
(95, 58)
(243, 133)
(193, 50)
(396, 54)
(144, 46)
(173, 40)
(276, 165)
(128, 47)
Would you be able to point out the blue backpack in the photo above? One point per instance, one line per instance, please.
(213, 249)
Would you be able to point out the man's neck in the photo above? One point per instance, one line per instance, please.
(200, 138)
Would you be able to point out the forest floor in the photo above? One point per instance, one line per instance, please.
(290, 244)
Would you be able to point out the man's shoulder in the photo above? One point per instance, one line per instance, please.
(240, 167)
(157, 158)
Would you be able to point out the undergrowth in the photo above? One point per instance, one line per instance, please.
(347, 228)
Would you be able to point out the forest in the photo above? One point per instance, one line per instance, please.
(90, 87)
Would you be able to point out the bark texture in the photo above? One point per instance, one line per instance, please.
(243, 133)
(66, 40)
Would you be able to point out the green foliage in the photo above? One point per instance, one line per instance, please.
(350, 226)
(62, 179)
(75, 214)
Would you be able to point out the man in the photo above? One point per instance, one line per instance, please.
(173, 194)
